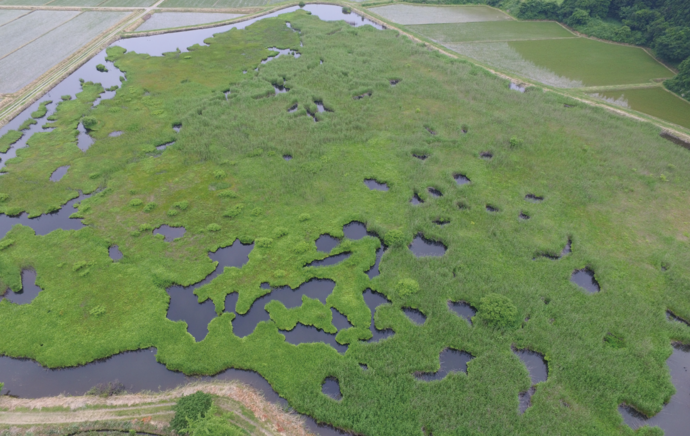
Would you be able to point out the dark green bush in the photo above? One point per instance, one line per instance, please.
(101, 68)
(498, 311)
(89, 123)
(189, 409)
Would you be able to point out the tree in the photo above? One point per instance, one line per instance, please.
(579, 17)
(681, 83)
(674, 44)
(89, 123)
(498, 311)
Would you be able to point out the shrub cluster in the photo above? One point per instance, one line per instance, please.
(190, 408)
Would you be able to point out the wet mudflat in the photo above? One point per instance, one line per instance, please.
(451, 361)
(463, 310)
(170, 233)
(422, 247)
(29, 289)
(584, 278)
(46, 223)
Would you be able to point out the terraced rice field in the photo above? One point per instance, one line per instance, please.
(217, 4)
(492, 31)
(409, 14)
(22, 66)
(165, 20)
(653, 101)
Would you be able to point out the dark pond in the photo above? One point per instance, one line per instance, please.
(326, 243)
(523, 216)
(320, 107)
(244, 325)
(287, 157)
(361, 96)
(114, 253)
(330, 260)
(184, 304)
(538, 372)
(564, 252)
(280, 89)
(29, 289)
(375, 186)
(331, 388)
(339, 320)
(584, 278)
(461, 179)
(355, 230)
(441, 221)
(463, 310)
(115, 134)
(59, 173)
(293, 108)
(534, 198)
(106, 95)
(374, 270)
(84, 141)
(424, 247)
(674, 418)
(451, 361)
(515, 87)
(303, 334)
(414, 315)
(435, 192)
(177, 128)
(373, 299)
(46, 223)
(170, 233)
(486, 155)
(490, 208)
(164, 146)
(420, 156)
(137, 371)
(394, 82)
(416, 200)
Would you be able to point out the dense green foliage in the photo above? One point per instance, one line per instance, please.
(498, 311)
(190, 408)
(681, 83)
(610, 185)
(8, 139)
(213, 423)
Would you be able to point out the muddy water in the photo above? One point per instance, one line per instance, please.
(29, 289)
(463, 310)
(45, 224)
(451, 361)
(422, 247)
(674, 418)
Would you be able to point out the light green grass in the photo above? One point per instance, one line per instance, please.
(491, 31)
(595, 63)
(654, 101)
(165, 20)
(413, 14)
(600, 175)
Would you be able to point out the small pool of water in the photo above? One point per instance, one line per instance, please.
(326, 243)
(461, 179)
(538, 372)
(492, 209)
(29, 289)
(534, 198)
(414, 315)
(115, 253)
(422, 247)
(374, 270)
(59, 173)
(375, 186)
(515, 87)
(170, 233)
(463, 310)
(416, 200)
(46, 223)
(331, 388)
(330, 260)
(584, 278)
(486, 155)
(355, 230)
(374, 299)
(435, 192)
(450, 361)
(84, 141)
(115, 134)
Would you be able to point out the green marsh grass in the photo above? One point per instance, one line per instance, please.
(8, 139)
(599, 174)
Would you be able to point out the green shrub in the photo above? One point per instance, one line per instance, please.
(94, 175)
(233, 211)
(227, 194)
(149, 207)
(6, 243)
(97, 311)
(190, 408)
(66, 97)
(212, 425)
(89, 123)
(279, 232)
(394, 238)
(4, 197)
(136, 202)
(304, 217)
(264, 242)
(182, 205)
(145, 227)
(515, 142)
(498, 311)
(101, 68)
(407, 287)
(279, 273)
(213, 227)
(301, 247)
(301, 4)
(219, 174)
(346, 10)
(681, 83)
(173, 212)
(257, 211)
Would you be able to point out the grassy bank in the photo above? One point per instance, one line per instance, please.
(610, 185)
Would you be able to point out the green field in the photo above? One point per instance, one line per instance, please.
(411, 14)
(612, 186)
(654, 101)
(595, 63)
(491, 31)
(217, 4)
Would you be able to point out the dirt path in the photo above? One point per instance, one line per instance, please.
(19, 411)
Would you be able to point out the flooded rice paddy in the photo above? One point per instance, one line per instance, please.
(413, 14)
(655, 101)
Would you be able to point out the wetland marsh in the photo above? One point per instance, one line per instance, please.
(343, 342)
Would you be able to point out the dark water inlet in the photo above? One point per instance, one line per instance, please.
(450, 361)
(441, 221)
(59, 173)
(330, 260)
(115, 253)
(170, 233)
(463, 310)
(339, 320)
(293, 108)
(164, 146)
(374, 271)
(461, 179)
(280, 89)
(414, 315)
(184, 304)
(331, 387)
(584, 278)
(538, 372)
(287, 157)
(674, 418)
(422, 247)
(523, 216)
(28, 292)
(84, 141)
(375, 185)
(355, 230)
(420, 156)
(394, 82)
(486, 155)
(373, 299)
(326, 243)
(416, 200)
(303, 334)
(46, 223)
(491, 209)
(177, 128)
(534, 198)
(434, 192)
